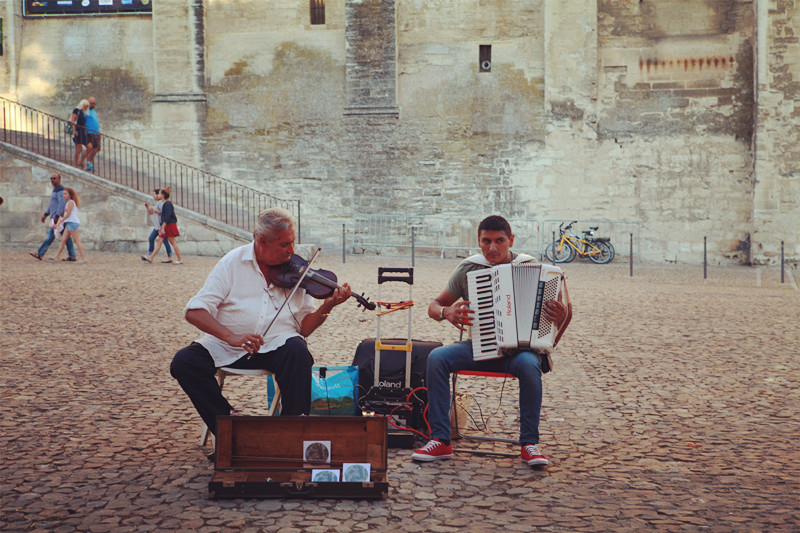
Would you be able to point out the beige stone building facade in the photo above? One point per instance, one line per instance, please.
(681, 117)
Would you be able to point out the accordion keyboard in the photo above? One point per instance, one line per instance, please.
(481, 298)
(507, 302)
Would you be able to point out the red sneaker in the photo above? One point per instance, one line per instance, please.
(532, 455)
(434, 450)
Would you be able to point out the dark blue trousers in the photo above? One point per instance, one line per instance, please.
(194, 369)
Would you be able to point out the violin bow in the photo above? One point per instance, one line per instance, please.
(294, 289)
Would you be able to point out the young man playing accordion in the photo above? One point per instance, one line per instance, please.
(495, 240)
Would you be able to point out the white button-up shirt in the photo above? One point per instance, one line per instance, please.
(238, 295)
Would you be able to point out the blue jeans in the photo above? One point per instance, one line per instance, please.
(51, 236)
(443, 361)
(153, 235)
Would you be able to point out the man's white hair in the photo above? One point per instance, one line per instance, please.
(273, 221)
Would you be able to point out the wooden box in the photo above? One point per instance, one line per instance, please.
(263, 456)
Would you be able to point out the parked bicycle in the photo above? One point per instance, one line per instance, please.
(568, 246)
(589, 236)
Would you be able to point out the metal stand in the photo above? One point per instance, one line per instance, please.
(479, 437)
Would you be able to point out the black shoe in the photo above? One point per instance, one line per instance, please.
(212, 457)
(69, 259)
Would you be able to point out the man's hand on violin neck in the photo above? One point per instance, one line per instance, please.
(340, 295)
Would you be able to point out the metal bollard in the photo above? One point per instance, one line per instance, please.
(631, 254)
(413, 238)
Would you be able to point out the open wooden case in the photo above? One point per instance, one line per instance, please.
(276, 456)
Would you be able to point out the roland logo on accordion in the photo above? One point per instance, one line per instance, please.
(507, 300)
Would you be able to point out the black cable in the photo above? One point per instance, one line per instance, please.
(484, 424)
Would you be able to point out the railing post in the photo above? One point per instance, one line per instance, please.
(344, 244)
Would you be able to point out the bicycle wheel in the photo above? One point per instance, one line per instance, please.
(564, 255)
(603, 256)
(610, 247)
(613, 251)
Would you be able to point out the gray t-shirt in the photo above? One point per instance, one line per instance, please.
(155, 218)
(457, 284)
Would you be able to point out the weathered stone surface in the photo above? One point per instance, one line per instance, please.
(680, 116)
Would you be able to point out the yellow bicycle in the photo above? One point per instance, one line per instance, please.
(568, 246)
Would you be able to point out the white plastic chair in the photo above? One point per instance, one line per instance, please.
(275, 405)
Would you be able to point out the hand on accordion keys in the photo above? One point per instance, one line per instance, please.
(460, 315)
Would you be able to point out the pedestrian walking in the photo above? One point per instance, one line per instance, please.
(154, 219)
(54, 210)
(168, 230)
(93, 132)
(79, 136)
(71, 223)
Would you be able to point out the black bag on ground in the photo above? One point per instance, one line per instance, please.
(392, 364)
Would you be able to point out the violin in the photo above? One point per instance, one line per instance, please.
(318, 283)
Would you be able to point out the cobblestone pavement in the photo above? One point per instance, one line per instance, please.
(673, 406)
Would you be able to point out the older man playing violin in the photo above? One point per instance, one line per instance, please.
(234, 310)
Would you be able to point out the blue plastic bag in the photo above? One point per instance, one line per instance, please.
(333, 390)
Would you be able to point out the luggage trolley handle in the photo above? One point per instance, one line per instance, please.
(408, 278)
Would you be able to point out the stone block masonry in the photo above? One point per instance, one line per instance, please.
(680, 115)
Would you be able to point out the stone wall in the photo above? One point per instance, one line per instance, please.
(680, 115)
(59, 61)
(776, 205)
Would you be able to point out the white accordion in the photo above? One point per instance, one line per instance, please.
(507, 301)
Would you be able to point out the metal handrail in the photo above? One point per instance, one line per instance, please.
(142, 170)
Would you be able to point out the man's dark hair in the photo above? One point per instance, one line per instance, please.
(165, 192)
(495, 223)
